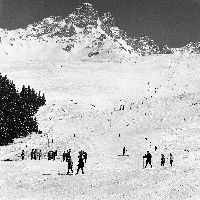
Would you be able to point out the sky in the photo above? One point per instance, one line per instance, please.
(171, 22)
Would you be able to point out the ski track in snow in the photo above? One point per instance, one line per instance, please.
(161, 100)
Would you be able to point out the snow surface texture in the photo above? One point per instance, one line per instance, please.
(160, 95)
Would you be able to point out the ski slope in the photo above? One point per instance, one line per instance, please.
(160, 94)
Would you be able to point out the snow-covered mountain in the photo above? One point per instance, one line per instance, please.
(82, 35)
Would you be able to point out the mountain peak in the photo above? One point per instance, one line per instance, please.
(86, 6)
(83, 34)
(84, 16)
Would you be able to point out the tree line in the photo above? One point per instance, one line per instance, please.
(17, 110)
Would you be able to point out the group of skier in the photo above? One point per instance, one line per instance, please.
(82, 158)
(52, 155)
(36, 154)
(66, 157)
(148, 157)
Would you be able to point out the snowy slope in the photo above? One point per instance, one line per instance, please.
(161, 99)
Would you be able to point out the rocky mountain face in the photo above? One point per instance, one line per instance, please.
(82, 35)
(191, 48)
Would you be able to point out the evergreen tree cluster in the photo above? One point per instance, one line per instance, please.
(17, 110)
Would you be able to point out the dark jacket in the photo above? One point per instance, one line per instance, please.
(148, 156)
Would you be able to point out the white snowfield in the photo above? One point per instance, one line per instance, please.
(161, 98)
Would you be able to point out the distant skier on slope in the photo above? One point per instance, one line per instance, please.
(22, 155)
(124, 151)
(162, 160)
(156, 148)
(48, 155)
(80, 162)
(68, 155)
(171, 159)
(64, 156)
(35, 154)
(32, 154)
(39, 154)
(121, 105)
(51, 155)
(70, 165)
(148, 157)
(54, 154)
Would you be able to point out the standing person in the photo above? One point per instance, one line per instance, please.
(39, 154)
(121, 105)
(48, 155)
(32, 154)
(64, 156)
(85, 156)
(171, 159)
(162, 160)
(124, 151)
(54, 154)
(148, 157)
(22, 155)
(68, 155)
(70, 165)
(35, 154)
(80, 162)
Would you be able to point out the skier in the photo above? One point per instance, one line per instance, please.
(121, 105)
(51, 155)
(124, 151)
(64, 156)
(35, 154)
(70, 165)
(162, 160)
(68, 154)
(85, 156)
(80, 162)
(22, 155)
(148, 157)
(171, 159)
(32, 154)
(48, 155)
(156, 148)
(39, 154)
(54, 154)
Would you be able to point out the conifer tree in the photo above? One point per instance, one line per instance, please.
(17, 110)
